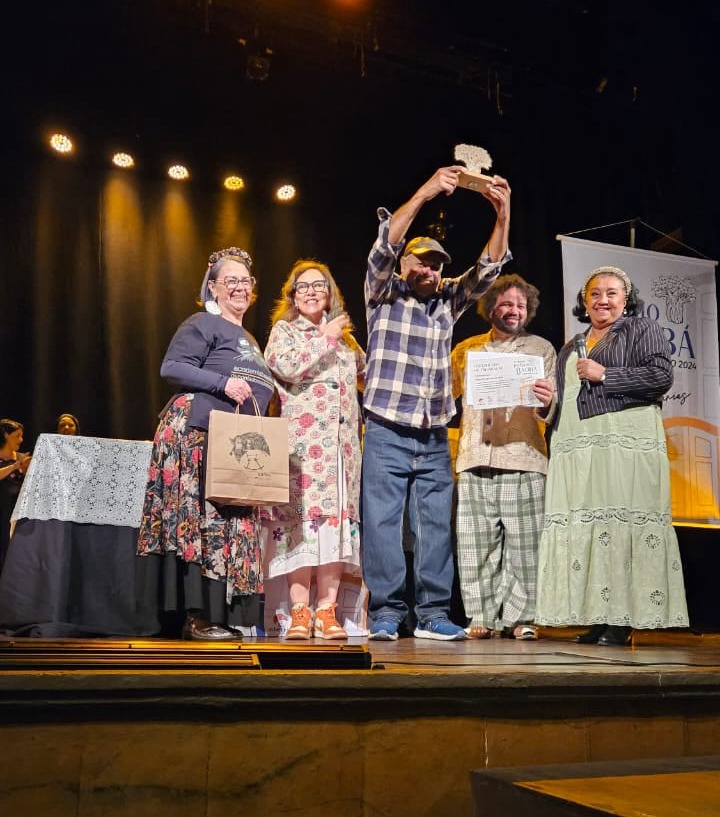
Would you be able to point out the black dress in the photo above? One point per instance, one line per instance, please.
(9, 490)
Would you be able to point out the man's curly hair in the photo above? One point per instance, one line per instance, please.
(486, 302)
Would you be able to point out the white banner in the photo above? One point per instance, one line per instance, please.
(678, 293)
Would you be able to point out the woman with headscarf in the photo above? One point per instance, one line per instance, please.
(210, 554)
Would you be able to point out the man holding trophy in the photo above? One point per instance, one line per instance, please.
(408, 403)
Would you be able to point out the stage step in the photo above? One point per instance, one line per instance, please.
(669, 787)
(102, 654)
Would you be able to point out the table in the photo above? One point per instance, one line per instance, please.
(70, 567)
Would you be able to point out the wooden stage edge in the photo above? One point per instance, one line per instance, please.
(658, 666)
(149, 727)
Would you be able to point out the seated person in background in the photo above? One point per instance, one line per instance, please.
(13, 466)
(67, 424)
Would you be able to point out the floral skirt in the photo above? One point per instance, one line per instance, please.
(223, 540)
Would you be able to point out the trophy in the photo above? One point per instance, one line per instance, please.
(475, 159)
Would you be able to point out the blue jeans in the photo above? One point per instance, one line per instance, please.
(402, 463)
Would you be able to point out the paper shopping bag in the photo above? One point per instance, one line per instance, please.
(248, 459)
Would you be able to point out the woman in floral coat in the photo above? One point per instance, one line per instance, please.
(318, 368)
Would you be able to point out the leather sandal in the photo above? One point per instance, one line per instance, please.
(478, 631)
(520, 632)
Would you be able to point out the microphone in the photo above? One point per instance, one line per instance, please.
(581, 351)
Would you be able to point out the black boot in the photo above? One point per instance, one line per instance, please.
(593, 635)
(615, 636)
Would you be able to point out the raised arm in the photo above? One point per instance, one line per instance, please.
(444, 180)
(498, 194)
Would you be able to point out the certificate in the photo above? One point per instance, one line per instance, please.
(494, 380)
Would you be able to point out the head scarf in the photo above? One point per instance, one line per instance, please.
(234, 254)
(616, 271)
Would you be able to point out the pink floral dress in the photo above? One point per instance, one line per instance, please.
(317, 379)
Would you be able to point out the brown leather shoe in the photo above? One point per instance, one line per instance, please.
(197, 629)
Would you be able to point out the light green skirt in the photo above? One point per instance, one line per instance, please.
(608, 552)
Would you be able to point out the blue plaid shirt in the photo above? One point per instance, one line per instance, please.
(408, 378)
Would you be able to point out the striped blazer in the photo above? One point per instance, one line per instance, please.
(637, 357)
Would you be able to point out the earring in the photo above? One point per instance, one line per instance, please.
(212, 307)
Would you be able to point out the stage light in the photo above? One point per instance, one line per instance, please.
(234, 183)
(178, 172)
(357, 5)
(257, 67)
(61, 143)
(257, 60)
(124, 160)
(285, 193)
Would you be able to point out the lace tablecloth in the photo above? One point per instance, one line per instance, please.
(85, 479)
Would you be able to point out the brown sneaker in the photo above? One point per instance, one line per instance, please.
(326, 625)
(301, 623)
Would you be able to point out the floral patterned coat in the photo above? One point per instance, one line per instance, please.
(318, 380)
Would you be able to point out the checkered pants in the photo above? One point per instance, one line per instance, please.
(498, 525)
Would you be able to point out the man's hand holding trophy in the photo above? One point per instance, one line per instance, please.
(475, 159)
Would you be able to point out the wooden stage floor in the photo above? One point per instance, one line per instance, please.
(552, 665)
(555, 651)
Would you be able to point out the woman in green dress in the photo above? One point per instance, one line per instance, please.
(608, 554)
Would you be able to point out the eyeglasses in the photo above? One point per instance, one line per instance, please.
(233, 283)
(317, 286)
